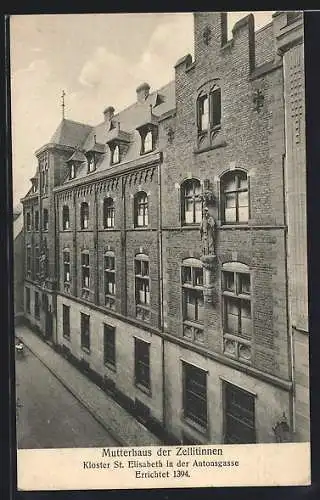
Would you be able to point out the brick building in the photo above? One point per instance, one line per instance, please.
(157, 242)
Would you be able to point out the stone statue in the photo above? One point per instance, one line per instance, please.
(207, 233)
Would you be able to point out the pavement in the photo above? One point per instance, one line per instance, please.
(123, 428)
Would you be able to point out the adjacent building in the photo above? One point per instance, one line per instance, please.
(165, 248)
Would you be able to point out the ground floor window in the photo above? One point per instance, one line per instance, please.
(36, 305)
(195, 394)
(28, 300)
(239, 415)
(85, 331)
(109, 343)
(66, 321)
(142, 363)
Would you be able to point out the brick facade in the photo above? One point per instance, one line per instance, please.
(250, 142)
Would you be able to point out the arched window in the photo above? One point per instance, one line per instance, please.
(116, 155)
(142, 287)
(191, 204)
(108, 213)
(193, 303)
(148, 142)
(84, 215)
(234, 197)
(65, 217)
(109, 279)
(45, 219)
(141, 209)
(237, 322)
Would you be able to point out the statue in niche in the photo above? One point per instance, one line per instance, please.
(44, 260)
(207, 233)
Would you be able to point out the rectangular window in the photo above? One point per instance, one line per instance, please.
(36, 220)
(85, 265)
(36, 305)
(28, 260)
(37, 259)
(237, 304)
(215, 105)
(195, 394)
(28, 300)
(66, 267)
(109, 343)
(109, 281)
(203, 113)
(142, 292)
(28, 221)
(142, 363)
(239, 415)
(193, 302)
(85, 331)
(45, 219)
(66, 321)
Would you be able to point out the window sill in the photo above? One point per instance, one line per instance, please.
(83, 230)
(142, 388)
(194, 425)
(108, 228)
(141, 228)
(67, 230)
(220, 144)
(189, 227)
(234, 226)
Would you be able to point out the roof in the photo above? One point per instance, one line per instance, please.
(70, 133)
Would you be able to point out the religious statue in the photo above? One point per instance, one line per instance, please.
(207, 233)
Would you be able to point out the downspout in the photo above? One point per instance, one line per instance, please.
(287, 270)
(161, 322)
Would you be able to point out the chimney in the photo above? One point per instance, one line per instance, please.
(142, 92)
(108, 113)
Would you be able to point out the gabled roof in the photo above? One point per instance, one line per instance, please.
(70, 133)
(77, 156)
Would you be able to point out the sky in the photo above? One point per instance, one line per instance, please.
(98, 60)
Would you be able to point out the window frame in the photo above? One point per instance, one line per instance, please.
(72, 171)
(238, 175)
(193, 329)
(45, 219)
(65, 218)
(92, 162)
(66, 266)
(239, 419)
(107, 210)
(36, 305)
(28, 300)
(37, 261)
(109, 272)
(212, 123)
(66, 330)
(200, 420)
(36, 220)
(194, 198)
(142, 365)
(85, 270)
(141, 201)
(142, 287)
(85, 333)
(115, 158)
(28, 260)
(28, 222)
(84, 215)
(109, 345)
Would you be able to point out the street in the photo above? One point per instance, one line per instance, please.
(48, 415)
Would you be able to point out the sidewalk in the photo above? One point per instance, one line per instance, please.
(121, 425)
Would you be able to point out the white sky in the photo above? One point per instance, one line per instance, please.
(98, 59)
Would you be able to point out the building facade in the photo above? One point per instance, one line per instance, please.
(165, 248)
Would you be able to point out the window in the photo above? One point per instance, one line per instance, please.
(45, 219)
(191, 202)
(115, 155)
(28, 300)
(28, 260)
(36, 220)
(66, 321)
(109, 351)
(66, 266)
(148, 142)
(108, 213)
(209, 110)
(84, 215)
(44, 176)
(142, 287)
(193, 303)
(37, 259)
(234, 196)
(28, 221)
(195, 394)
(36, 305)
(72, 171)
(237, 323)
(65, 218)
(142, 363)
(91, 163)
(141, 209)
(109, 280)
(85, 332)
(239, 415)
(85, 265)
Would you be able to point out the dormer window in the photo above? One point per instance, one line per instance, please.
(115, 155)
(147, 145)
(91, 163)
(72, 171)
(148, 139)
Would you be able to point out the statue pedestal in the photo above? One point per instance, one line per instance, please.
(209, 265)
